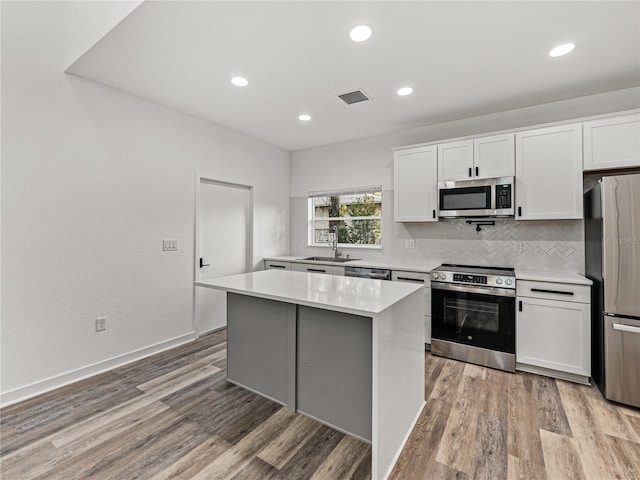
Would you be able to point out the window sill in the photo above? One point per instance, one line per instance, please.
(347, 246)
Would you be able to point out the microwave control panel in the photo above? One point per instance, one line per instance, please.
(503, 196)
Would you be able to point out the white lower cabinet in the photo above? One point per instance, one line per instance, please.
(553, 330)
(419, 277)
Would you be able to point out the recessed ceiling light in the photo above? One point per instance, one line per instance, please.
(240, 81)
(360, 33)
(404, 91)
(304, 117)
(561, 50)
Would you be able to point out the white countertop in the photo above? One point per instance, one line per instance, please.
(558, 277)
(359, 296)
(358, 263)
(536, 275)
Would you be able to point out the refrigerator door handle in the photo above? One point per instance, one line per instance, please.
(626, 328)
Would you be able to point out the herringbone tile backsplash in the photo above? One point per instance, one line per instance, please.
(550, 245)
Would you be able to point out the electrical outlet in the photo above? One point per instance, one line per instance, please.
(410, 243)
(518, 248)
(170, 245)
(101, 324)
(296, 241)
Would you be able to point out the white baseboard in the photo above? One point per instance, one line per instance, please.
(51, 383)
(547, 372)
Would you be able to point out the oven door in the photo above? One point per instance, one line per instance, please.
(476, 316)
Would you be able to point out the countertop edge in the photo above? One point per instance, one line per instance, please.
(554, 277)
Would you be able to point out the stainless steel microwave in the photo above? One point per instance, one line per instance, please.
(490, 197)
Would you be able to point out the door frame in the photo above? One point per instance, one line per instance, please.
(214, 180)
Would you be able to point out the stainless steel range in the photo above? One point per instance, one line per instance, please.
(474, 315)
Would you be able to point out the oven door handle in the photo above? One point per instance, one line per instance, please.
(500, 292)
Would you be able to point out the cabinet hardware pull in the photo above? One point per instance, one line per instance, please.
(277, 266)
(519, 211)
(316, 270)
(477, 171)
(626, 328)
(559, 292)
(411, 279)
(470, 175)
(434, 214)
(520, 305)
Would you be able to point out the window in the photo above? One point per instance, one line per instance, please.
(355, 214)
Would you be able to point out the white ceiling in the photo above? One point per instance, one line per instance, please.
(462, 58)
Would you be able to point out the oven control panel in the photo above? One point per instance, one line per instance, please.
(465, 278)
(503, 278)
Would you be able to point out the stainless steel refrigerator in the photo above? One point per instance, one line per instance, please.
(612, 248)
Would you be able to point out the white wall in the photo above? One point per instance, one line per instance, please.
(541, 245)
(92, 181)
(369, 161)
(87, 22)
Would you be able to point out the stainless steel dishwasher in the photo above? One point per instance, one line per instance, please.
(366, 272)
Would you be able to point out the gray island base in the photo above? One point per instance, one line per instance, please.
(348, 352)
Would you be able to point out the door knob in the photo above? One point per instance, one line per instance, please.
(202, 264)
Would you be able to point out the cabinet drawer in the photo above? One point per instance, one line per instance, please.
(554, 291)
(413, 277)
(314, 268)
(275, 264)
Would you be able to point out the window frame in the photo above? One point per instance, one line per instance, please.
(311, 217)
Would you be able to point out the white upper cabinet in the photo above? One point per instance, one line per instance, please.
(549, 173)
(486, 157)
(612, 142)
(494, 156)
(415, 184)
(455, 161)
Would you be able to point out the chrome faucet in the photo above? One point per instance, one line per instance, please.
(334, 242)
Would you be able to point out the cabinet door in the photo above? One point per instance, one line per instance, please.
(612, 142)
(415, 185)
(494, 156)
(549, 173)
(455, 161)
(553, 334)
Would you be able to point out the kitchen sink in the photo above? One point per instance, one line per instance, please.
(331, 259)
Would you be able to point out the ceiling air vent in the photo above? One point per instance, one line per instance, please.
(353, 97)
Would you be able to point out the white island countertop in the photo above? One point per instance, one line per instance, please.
(359, 296)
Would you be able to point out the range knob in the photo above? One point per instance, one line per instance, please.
(498, 281)
(434, 275)
(442, 276)
(508, 281)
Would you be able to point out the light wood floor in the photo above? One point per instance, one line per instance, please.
(173, 416)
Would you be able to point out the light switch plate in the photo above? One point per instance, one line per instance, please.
(170, 245)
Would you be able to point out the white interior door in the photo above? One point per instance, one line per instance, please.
(223, 245)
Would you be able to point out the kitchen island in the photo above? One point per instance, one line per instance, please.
(346, 351)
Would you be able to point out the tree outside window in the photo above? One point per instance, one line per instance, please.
(357, 216)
